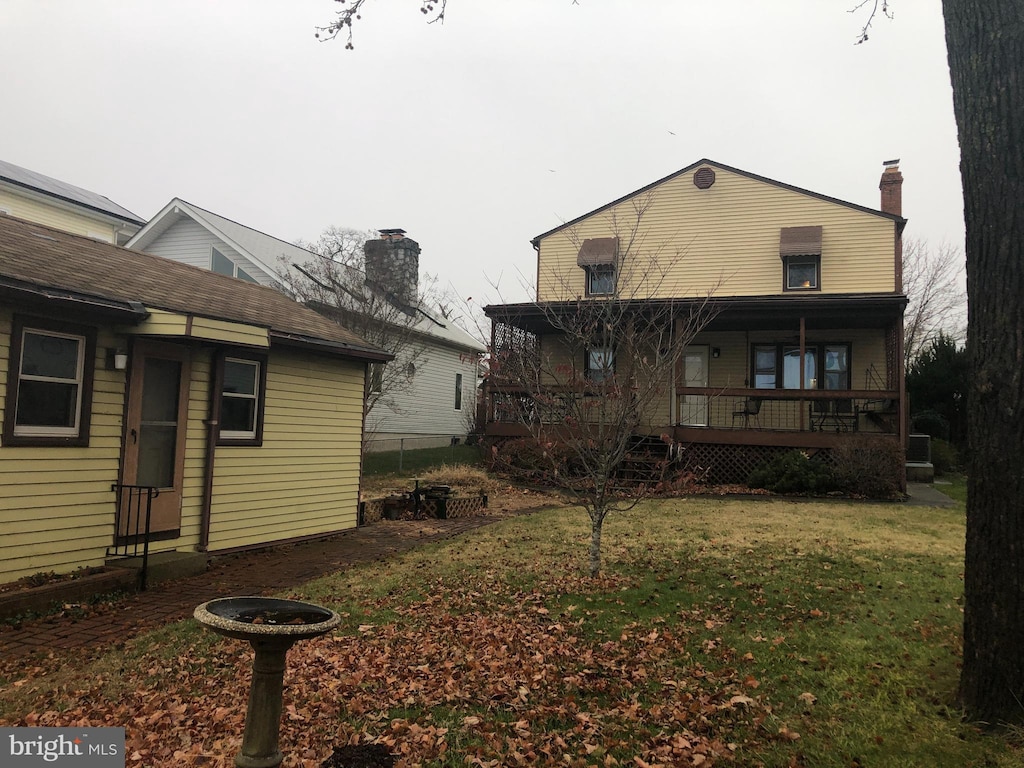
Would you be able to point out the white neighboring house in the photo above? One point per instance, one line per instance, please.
(32, 196)
(440, 401)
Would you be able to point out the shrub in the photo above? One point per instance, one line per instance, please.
(944, 457)
(527, 460)
(869, 466)
(792, 472)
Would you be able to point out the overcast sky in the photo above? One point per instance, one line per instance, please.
(478, 134)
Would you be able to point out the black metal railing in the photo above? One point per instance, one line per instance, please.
(132, 524)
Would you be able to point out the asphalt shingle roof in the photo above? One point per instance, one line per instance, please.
(49, 258)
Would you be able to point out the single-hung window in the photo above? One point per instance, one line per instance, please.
(800, 250)
(601, 280)
(49, 384)
(600, 363)
(241, 401)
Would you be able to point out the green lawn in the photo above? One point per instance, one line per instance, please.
(750, 633)
(418, 460)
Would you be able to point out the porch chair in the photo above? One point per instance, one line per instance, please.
(750, 407)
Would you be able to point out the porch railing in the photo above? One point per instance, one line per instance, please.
(854, 410)
(132, 525)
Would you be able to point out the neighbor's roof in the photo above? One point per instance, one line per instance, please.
(273, 254)
(52, 264)
(900, 221)
(46, 185)
(266, 251)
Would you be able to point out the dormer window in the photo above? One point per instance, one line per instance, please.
(800, 251)
(597, 257)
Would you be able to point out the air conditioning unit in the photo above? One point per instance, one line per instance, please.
(919, 449)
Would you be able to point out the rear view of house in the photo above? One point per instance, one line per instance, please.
(240, 407)
(803, 348)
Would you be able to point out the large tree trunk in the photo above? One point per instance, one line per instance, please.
(985, 41)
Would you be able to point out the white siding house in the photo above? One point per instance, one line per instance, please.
(427, 411)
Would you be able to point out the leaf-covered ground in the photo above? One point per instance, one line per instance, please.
(722, 633)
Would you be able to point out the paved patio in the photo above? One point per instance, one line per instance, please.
(250, 573)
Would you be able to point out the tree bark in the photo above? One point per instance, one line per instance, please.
(985, 42)
(596, 522)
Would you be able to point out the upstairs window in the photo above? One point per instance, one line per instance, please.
(800, 251)
(49, 384)
(458, 391)
(601, 280)
(243, 387)
(597, 256)
(802, 273)
(222, 265)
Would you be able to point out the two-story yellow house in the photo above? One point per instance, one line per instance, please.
(803, 347)
(121, 372)
(33, 196)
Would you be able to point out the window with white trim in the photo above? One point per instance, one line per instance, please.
(222, 265)
(49, 383)
(241, 400)
(376, 378)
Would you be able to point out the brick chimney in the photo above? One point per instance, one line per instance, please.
(891, 186)
(393, 264)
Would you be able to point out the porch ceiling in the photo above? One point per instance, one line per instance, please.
(737, 313)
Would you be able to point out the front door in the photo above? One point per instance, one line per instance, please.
(693, 410)
(154, 452)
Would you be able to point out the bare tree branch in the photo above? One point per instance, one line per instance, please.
(876, 5)
(432, 9)
(931, 280)
(334, 284)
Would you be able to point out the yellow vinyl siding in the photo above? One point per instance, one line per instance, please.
(723, 240)
(163, 323)
(304, 479)
(52, 215)
(56, 504)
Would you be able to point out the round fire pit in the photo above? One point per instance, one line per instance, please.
(271, 626)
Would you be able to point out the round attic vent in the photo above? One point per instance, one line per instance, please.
(703, 178)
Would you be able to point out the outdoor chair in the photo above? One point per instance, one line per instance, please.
(751, 407)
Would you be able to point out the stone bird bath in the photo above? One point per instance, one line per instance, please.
(271, 626)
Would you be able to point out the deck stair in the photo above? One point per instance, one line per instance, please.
(644, 464)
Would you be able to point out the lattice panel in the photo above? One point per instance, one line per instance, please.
(372, 510)
(731, 464)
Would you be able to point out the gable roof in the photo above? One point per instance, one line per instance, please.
(900, 221)
(270, 253)
(48, 264)
(263, 250)
(61, 190)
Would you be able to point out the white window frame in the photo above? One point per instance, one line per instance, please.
(34, 430)
(245, 434)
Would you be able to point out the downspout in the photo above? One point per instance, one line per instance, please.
(212, 434)
(803, 342)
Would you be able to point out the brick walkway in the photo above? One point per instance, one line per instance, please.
(251, 573)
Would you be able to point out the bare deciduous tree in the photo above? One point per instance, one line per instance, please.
(334, 284)
(598, 378)
(938, 304)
